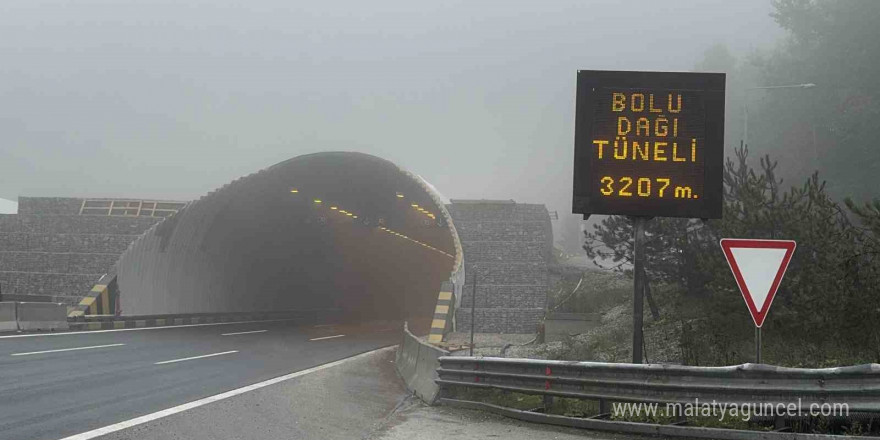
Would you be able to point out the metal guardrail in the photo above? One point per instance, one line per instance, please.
(858, 386)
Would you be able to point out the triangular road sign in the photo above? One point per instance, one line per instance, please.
(758, 267)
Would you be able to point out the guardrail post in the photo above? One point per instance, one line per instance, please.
(603, 407)
(680, 419)
(779, 423)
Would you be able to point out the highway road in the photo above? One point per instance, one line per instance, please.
(57, 385)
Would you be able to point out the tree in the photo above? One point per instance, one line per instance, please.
(832, 127)
(823, 311)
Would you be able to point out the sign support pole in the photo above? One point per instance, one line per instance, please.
(638, 286)
(758, 267)
(758, 345)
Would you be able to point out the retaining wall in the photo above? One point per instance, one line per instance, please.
(51, 253)
(75, 224)
(508, 246)
(75, 243)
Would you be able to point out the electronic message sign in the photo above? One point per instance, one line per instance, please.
(649, 144)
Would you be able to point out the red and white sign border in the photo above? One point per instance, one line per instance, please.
(789, 246)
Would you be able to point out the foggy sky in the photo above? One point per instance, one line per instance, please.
(171, 99)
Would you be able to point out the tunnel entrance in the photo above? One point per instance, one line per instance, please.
(347, 231)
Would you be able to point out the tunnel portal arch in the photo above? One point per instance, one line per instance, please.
(328, 230)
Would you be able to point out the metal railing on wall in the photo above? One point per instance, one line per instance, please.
(130, 208)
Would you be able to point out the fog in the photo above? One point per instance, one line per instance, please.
(170, 99)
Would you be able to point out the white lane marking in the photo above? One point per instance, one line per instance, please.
(66, 349)
(326, 337)
(195, 357)
(324, 325)
(201, 402)
(86, 332)
(244, 333)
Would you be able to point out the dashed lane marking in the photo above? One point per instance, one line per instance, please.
(66, 349)
(326, 337)
(195, 357)
(244, 333)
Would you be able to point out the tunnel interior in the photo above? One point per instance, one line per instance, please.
(345, 231)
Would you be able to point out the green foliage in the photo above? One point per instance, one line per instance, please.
(833, 126)
(826, 310)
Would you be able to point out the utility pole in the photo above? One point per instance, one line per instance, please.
(473, 309)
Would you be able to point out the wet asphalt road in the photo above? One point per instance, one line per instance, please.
(57, 385)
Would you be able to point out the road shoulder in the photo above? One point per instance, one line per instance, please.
(346, 401)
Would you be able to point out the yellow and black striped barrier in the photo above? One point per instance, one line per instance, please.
(442, 313)
(99, 301)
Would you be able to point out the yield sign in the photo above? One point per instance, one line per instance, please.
(758, 266)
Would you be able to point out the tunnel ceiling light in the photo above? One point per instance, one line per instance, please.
(399, 195)
(294, 190)
(424, 245)
(333, 208)
(354, 216)
(414, 205)
(318, 201)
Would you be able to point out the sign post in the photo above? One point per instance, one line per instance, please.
(758, 267)
(638, 287)
(648, 144)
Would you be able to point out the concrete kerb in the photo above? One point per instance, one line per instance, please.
(8, 316)
(417, 364)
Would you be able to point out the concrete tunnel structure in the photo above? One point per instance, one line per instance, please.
(337, 230)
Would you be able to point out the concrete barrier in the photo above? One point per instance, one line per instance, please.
(42, 316)
(8, 318)
(417, 364)
(407, 356)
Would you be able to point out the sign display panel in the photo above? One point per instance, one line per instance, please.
(649, 144)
